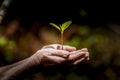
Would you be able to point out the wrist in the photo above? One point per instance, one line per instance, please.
(35, 60)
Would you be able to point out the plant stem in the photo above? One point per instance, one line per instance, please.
(62, 39)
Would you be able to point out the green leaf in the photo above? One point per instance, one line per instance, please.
(65, 25)
(54, 25)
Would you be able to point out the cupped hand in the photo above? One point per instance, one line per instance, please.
(78, 56)
(52, 55)
(75, 56)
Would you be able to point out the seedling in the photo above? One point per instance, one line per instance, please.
(62, 28)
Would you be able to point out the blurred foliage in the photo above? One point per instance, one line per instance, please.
(83, 12)
(17, 43)
(2, 41)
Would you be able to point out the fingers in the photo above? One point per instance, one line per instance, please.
(87, 53)
(84, 49)
(50, 56)
(87, 56)
(59, 47)
(55, 59)
(48, 46)
(66, 48)
(69, 54)
(76, 55)
(54, 52)
(60, 53)
(79, 61)
(53, 46)
(82, 59)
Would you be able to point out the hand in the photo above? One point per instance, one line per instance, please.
(52, 55)
(75, 56)
(78, 56)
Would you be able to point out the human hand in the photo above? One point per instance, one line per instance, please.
(78, 56)
(75, 56)
(52, 55)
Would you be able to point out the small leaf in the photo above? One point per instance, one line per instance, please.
(65, 25)
(54, 25)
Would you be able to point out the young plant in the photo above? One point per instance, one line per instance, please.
(62, 28)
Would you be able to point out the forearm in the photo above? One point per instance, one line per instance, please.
(14, 70)
(7, 67)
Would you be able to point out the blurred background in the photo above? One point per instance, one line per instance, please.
(95, 25)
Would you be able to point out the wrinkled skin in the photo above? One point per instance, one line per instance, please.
(53, 55)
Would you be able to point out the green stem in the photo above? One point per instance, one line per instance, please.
(62, 39)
